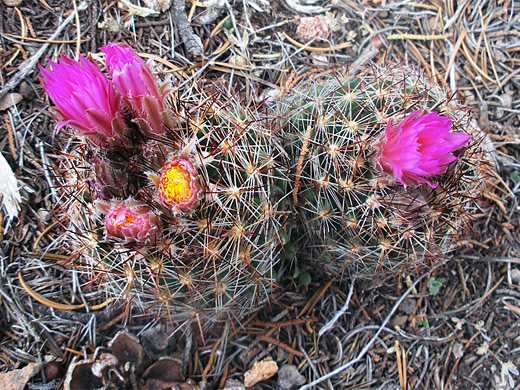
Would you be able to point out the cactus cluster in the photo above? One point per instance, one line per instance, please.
(183, 202)
(182, 212)
(362, 184)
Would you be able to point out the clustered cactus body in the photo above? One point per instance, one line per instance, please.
(183, 202)
(187, 220)
(358, 184)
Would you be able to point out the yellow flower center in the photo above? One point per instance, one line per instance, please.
(129, 218)
(175, 184)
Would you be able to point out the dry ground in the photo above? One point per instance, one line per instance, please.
(466, 336)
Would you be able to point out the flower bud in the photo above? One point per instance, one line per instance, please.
(178, 185)
(418, 147)
(136, 83)
(132, 221)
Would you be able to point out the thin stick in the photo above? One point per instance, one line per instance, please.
(339, 313)
(418, 37)
(399, 364)
(454, 52)
(370, 343)
(343, 45)
(78, 30)
(191, 41)
(10, 135)
(299, 167)
(279, 344)
(55, 305)
(31, 62)
(41, 40)
(45, 165)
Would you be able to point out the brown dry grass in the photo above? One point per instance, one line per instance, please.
(459, 338)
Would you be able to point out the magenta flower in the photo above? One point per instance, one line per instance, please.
(85, 99)
(132, 221)
(134, 80)
(419, 147)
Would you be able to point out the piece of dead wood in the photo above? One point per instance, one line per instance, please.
(17, 379)
(260, 371)
(191, 41)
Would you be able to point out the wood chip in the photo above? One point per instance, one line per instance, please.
(260, 371)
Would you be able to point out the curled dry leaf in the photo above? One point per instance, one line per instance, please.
(9, 100)
(166, 370)
(79, 377)
(127, 349)
(260, 371)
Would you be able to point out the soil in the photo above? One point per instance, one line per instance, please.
(458, 328)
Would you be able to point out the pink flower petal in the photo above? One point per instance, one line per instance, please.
(418, 147)
(84, 96)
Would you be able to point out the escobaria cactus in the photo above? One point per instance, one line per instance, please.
(387, 169)
(186, 221)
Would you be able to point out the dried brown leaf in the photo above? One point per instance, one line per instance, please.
(17, 379)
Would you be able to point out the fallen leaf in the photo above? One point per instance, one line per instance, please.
(158, 5)
(260, 371)
(458, 350)
(139, 11)
(9, 100)
(17, 379)
(483, 349)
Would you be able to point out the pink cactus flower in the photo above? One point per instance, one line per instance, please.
(134, 80)
(177, 186)
(418, 147)
(85, 99)
(132, 221)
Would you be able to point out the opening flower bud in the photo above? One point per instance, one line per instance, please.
(418, 147)
(132, 222)
(178, 185)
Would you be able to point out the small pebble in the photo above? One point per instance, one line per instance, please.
(54, 370)
(237, 60)
(289, 377)
(234, 385)
(515, 275)
(408, 306)
(27, 91)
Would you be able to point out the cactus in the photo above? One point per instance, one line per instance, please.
(187, 221)
(181, 203)
(371, 205)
